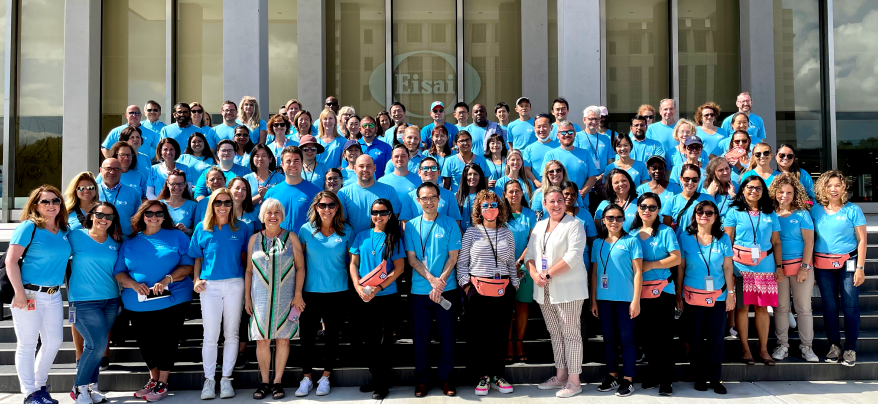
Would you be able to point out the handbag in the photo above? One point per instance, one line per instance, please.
(652, 289)
(376, 276)
(7, 292)
(490, 287)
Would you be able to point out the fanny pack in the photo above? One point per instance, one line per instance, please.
(742, 255)
(653, 289)
(490, 287)
(791, 267)
(700, 297)
(376, 277)
(830, 261)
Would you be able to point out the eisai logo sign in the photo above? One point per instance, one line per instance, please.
(421, 83)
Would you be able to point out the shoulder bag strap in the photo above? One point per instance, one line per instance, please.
(688, 204)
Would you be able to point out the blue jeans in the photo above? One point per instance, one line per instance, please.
(93, 320)
(832, 282)
(618, 329)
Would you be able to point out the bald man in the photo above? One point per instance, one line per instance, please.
(358, 198)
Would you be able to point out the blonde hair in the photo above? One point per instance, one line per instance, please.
(820, 193)
(522, 172)
(253, 122)
(753, 161)
(271, 204)
(209, 216)
(70, 198)
(321, 131)
(30, 211)
(680, 123)
(205, 117)
(545, 186)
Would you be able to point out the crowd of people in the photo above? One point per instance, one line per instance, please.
(296, 225)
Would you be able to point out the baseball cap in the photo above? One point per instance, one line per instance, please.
(604, 111)
(437, 103)
(692, 140)
(655, 159)
(350, 143)
(518, 101)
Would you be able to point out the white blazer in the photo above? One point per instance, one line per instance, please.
(567, 242)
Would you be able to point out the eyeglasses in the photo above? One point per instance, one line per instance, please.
(176, 184)
(241, 134)
(651, 208)
(101, 215)
(430, 169)
(309, 149)
(753, 188)
(555, 171)
(225, 151)
(151, 213)
(428, 198)
(593, 119)
(784, 156)
(492, 205)
(111, 169)
(124, 155)
(464, 140)
(197, 111)
(438, 111)
(53, 201)
(613, 219)
(760, 154)
(367, 125)
(694, 147)
(566, 133)
(325, 206)
(135, 113)
(227, 203)
(690, 179)
(333, 179)
(86, 188)
(705, 213)
(708, 115)
(153, 110)
(332, 103)
(380, 213)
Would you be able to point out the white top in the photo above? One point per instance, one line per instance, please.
(567, 242)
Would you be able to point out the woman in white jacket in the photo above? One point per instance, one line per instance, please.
(554, 260)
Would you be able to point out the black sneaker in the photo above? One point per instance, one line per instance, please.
(626, 388)
(666, 390)
(241, 362)
(609, 383)
(649, 385)
(718, 388)
(380, 393)
(367, 388)
(701, 386)
(105, 363)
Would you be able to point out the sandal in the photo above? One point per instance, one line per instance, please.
(509, 359)
(277, 391)
(261, 392)
(521, 356)
(768, 362)
(748, 361)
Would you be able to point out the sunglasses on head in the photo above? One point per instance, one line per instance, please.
(651, 208)
(53, 201)
(380, 213)
(330, 205)
(227, 203)
(151, 213)
(705, 213)
(86, 188)
(101, 215)
(784, 156)
(491, 205)
(613, 219)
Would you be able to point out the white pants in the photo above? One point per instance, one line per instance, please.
(46, 324)
(221, 303)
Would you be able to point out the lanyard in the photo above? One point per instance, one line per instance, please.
(107, 198)
(601, 253)
(709, 252)
(424, 240)
(756, 227)
(722, 204)
(372, 241)
(496, 241)
(594, 147)
(496, 173)
(313, 172)
(268, 180)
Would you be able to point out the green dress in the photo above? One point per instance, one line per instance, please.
(272, 288)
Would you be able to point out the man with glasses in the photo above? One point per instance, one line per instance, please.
(521, 131)
(111, 190)
(642, 147)
(153, 113)
(357, 198)
(482, 128)
(226, 130)
(132, 116)
(437, 112)
(432, 242)
(663, 132)
(397, 114)
(428, 170)
(461, 114)
(578, 162)
(600, 145)
(225, 153)
(295, 194)
(372, 146)
(331, 104)
(534, 154)
(757, 125)
(182, 128)
(560, 109)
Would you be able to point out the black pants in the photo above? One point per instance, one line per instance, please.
(327, 306)
(707, 327)
(377, 318)
(424, 311)
(655, 325)
(158, 334)
(488, 321)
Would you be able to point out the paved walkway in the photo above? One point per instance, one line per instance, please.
(743, 393)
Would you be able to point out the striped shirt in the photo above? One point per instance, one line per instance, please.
(477, 257)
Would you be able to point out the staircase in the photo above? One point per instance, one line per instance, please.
(127, 372)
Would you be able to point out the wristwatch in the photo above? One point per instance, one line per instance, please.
(171, 278)
(548, 276)
(806, 267)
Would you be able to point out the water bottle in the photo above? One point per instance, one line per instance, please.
(367, 290)
(677, 313)
(444, 303)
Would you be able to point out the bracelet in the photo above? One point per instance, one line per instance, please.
(382, 288)
(169, 277)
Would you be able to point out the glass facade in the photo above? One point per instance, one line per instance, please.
(283, 54)
(553, 58)
(492, 46)
(200, 54)
(355, 47)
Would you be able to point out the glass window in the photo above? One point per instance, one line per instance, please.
(349, 48)
(2, 84)
(797, 58)
(200, 54)
(553, 57)
(637, 32)
(40, 99)
(492, 45)
(283, 54)
(425, 72)
(710, 57)
(856, 96)
(133, 58)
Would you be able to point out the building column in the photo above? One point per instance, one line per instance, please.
(757, 62)
(81, 138)
(579, 55)
(534, 52)
(245, 52)
(312, 56)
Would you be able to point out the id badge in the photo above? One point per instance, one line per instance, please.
(708, 283)
(605, 282)
(496, 275)
(754, 254)
(850, 265)
(545, 264)
(31, 301)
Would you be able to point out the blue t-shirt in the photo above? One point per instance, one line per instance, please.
(616, 262)
(185, 213)
(535, 153)
(521, 227)
(125, 199)
(447, 205)
(710, 142)
(143, 165)
(201, 184)
(402, 185)
(696, 255)
(414, 162)
(663, 134)
(630, 213)
(655, 248)
(250, 222)
(746, 228)
(431, 242)
(453, 169)
(221, 250)
(380, 153)
(326, 259)
(480, 135)
(91, 268)
(578, 162)
(669, 192)
(495, 172)
(834, 234)
(554, 133)
(756, 128)
(675, 206)
(147, 259)
(273, 179)
(349, 177)
(221, 132)
(317, 176)
(150, 139)
(768, 181)
(807, 182)
(133, 179)
(369, 241)
(600, 147)
(158, 175)
(254, 133)
(181, 135)
(332, 151)
(521, 133)
(501, 184)
(357, 202)
(197, 165)
(242, 160)
(277, 150)
(296, 200)
(427, 134)
(587, 221)
(466, 211)
(643, 150)
(791, 241)
(440, 161)
(200, 211)
(46, 261)
(638, 172)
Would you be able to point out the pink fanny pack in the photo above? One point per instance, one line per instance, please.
(653, 289)
(743, 255)
(830, 261)
(791, 267)
(376, 277)
(490, 287)
(699, 297)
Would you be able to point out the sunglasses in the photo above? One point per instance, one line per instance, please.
(614, 219)
(492, 205)
(430, 168)
(784, 156)
(324, 206)
(53, 201)
(86, 188)
(101, 215)
(708, 115)
(567, 133)
(740, 141)
(649, 117)
(705, 213)
(134, 113)
(309, 149)
(438, 111)
(760, 154)
(367, 125)
(464, 141)
(227, 203)
(332, 104)
(112, 169)
(690, 179)
(333, 179)
(153, 110)
(694, 147)
(197, 111)
(555, 171)
(150, 213)
(279, 125)
(651, 208)
(380, 213)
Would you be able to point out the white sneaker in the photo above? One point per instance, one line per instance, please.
(569, 390)
(304, 387)
(82, 396)
(793, 323)
(552, 383)
(808, 354)
(96, 395)
(780, 353)
(208, 391)
(226, 390)
(323, 386)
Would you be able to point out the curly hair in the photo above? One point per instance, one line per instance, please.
(707, 105)
(800, 198)
(820, 193)
(278, 118)
(488, 195)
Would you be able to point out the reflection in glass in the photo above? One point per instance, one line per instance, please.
(797, 57)
(856, 95)
(200, 54)
(132, 58)
(709, 51)
(637, 57)
(424, 62)
(40, 99)
(2, 85)
(355, 55)
(553, 57)
(492, 45)
(283, 54)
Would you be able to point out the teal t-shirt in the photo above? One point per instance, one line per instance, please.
(91, 268)
(326, 258)
(46, 261)
(615, 261)
(835, 234)
(656, 248)
(369, 245)
(696, 255)
(431, 242)
(753, 231)
(220, 250)
(791, 240)
(147, 259)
